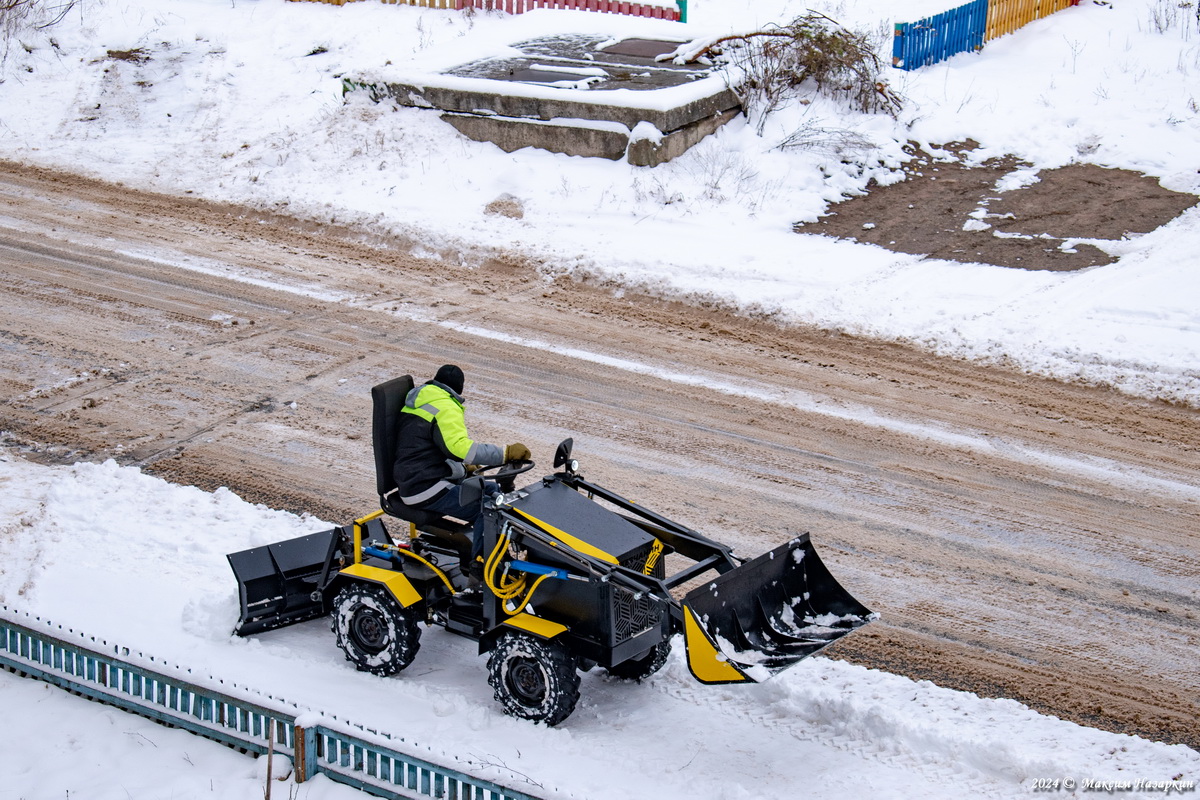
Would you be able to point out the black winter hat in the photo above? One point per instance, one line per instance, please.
(450, 376)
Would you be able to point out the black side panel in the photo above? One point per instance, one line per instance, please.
(283, 583)
(567, 510)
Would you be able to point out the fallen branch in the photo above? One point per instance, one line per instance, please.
(776, 61)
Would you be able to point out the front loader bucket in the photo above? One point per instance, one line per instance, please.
(762, 617)
(282, 583)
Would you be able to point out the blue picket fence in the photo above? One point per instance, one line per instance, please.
(936, 38)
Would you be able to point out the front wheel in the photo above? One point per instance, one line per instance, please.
(533, 679)
(374, 631)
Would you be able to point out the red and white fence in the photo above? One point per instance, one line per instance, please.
(676, 11)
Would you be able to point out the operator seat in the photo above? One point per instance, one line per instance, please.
(387, 399)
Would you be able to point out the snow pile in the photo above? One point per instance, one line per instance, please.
(73, 747)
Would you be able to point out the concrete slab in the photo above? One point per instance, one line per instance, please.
(573, 93)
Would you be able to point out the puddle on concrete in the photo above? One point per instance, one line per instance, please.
(586, 62)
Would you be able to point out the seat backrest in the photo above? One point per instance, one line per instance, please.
(387, 399)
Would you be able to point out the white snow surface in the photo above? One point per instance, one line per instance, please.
(241, 101)
(159, 584)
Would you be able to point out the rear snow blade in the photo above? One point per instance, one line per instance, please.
(282, 583)
(767, 614)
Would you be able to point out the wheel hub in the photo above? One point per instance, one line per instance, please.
(527, 681)
(369, 630)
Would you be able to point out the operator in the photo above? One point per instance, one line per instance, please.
(434, 453)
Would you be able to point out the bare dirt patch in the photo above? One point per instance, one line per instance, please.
(948, 209)
(137, 55)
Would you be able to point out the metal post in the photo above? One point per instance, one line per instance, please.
(270, 758)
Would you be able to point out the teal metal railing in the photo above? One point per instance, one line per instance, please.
(101, 671)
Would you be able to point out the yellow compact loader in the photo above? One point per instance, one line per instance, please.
(574, 576)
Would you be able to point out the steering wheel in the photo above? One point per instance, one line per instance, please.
(506, 473)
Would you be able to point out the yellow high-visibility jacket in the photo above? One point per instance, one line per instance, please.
(433, 444)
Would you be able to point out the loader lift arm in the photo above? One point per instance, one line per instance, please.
(756, 617)
(704, 552)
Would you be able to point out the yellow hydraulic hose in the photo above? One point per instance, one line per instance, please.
(409, 553)
(528, 596)
(509, 590)
(358, 523)
(514, 588)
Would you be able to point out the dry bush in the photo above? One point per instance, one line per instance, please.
(20, 16)
(776, 63)
(1167, 15)
(838, 142)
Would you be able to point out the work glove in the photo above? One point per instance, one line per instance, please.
(517, 452)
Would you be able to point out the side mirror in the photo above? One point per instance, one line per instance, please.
(562, 456)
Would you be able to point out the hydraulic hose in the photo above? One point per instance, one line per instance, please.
(506, 591)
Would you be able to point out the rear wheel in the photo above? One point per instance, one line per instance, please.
(533, 679)
(374, 631)
(635, 669)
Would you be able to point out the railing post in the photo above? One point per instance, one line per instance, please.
(305, 750)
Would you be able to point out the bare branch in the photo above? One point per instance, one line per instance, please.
(812, 49)
(18, 17)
